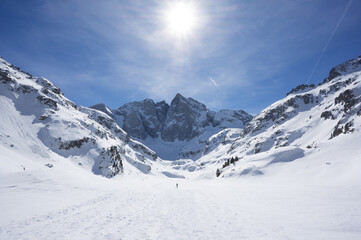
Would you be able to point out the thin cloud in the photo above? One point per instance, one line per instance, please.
(119, 45)
(213, 82)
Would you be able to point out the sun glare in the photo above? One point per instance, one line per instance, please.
(181, 19)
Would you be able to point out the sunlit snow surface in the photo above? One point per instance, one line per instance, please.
(49, 205)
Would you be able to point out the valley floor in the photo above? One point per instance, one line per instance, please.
(39, 208)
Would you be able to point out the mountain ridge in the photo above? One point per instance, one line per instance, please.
(146, 118)
(303, 125)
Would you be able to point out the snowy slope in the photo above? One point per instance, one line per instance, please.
(38, 120)
(316, 131)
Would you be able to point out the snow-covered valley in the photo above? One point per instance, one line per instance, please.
(293, 171)
(36, 206)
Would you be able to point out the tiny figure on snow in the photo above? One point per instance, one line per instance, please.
(176, 185)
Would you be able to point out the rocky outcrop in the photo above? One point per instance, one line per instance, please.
(350, 66)
(111, 163)
(301, 88)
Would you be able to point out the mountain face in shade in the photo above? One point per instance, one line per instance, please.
(182, 120)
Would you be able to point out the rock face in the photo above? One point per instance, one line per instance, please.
(182, 120)
(142, 119)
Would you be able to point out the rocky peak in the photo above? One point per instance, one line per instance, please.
(182, 120)
(180, 101)
(103, 108)
(353, 65)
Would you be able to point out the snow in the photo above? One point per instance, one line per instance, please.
(303, 199)
(153, 208)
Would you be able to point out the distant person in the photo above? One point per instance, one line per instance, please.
(176, 185)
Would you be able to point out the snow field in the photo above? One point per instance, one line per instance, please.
(154, 209)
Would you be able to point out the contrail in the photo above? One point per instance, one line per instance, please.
(213, 81)
(329, 40)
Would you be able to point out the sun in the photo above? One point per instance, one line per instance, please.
(181, 19)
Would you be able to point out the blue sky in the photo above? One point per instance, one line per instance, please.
(243, 55)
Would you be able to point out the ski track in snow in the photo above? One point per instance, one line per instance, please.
(199, 210)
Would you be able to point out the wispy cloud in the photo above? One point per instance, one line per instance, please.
(121, 46)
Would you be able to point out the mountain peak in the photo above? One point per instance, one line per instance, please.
(103, 108)
(353, 65)
(178, 95)
(148, 100)
(179, 100)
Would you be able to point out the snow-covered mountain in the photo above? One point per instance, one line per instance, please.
(38, 120)
(320, 127)
(183, 126)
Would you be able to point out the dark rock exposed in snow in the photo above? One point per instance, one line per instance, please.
(301, 88)
(350, 66)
